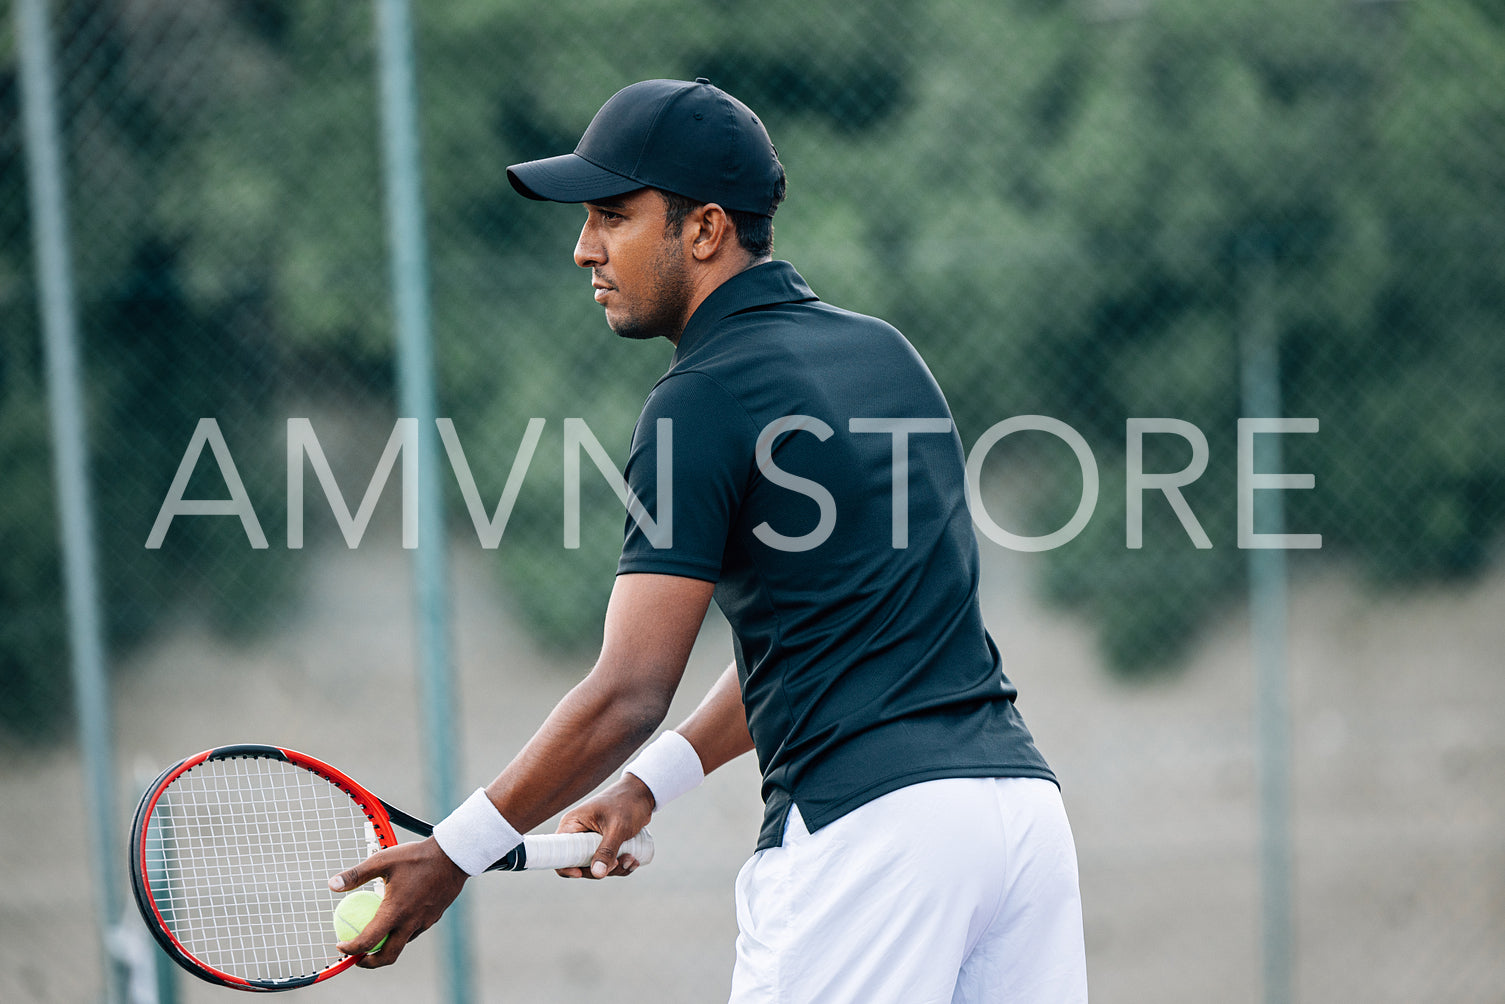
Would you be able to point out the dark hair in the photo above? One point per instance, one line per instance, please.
(754, 231)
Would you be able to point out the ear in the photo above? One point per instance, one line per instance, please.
(711, 231)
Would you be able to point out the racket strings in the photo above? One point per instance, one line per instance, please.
(238, 854)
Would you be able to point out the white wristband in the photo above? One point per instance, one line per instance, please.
(669, 766)
(476, 836)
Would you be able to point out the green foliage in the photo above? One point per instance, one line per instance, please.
(162, 362)
(31, 632)
(1149, 171)
(31, 627)
(1076, 210)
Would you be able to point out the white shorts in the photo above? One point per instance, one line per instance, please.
(956, 891)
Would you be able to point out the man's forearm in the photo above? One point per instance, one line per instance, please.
(716, 732)
(585, 739)
(651, 625)
(718, 727)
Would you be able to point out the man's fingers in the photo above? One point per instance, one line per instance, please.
(373, 954)
(387, 954)
(378, 931)
(379, 945)
(626, 864)
(421, 882)
(363, 945)
(606, 861)
(354, 878)
(375, 937)
(609, 861)
(616, 814)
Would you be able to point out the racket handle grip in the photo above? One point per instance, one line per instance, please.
(572, 850)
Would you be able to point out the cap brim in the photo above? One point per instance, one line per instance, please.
(568, 178)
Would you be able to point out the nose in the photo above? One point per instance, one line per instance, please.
(589, 252)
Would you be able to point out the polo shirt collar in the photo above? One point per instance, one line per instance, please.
(760, 286)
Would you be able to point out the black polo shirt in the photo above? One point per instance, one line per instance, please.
(800, 435)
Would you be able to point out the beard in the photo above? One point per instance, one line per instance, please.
(663, 312)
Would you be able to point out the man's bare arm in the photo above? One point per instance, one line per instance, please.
(718, 727)
(651, 625)
(717, 730)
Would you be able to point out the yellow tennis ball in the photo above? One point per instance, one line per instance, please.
(354, 912)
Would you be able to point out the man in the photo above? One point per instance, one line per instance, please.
(798, 464)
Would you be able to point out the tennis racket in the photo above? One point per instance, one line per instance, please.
(232, 849)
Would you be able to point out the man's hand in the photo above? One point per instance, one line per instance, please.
(617, 813)
(421, 883)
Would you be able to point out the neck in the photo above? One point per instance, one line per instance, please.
(711, 278)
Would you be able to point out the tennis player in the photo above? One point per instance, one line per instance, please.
(798, 464)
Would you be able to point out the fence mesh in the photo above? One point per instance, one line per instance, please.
(1082, 210)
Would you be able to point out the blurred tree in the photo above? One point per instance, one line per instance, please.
(1072, 209)
(31, 596)
(157, 356)
(1123, 185)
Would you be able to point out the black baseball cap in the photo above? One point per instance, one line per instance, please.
(689, 138)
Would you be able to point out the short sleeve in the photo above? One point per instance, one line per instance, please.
(691, 458)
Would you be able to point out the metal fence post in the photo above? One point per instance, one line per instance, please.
(91, 695)
(1261, 393)
(408, 251)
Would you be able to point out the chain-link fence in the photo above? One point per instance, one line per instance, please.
(1105, 213)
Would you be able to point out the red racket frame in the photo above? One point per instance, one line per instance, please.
(377, 811)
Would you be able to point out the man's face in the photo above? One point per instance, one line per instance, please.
(639, 272)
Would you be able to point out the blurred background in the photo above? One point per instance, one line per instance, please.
(1284, 766)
